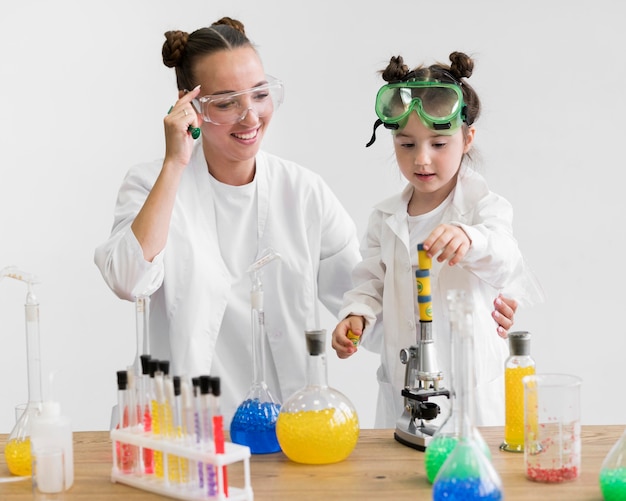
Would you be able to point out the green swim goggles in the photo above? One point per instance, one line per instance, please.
(439, 105)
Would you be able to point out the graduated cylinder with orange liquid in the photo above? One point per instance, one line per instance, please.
(517, 365)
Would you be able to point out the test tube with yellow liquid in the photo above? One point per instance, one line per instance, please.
(158, 411)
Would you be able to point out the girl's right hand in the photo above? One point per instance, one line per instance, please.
(343, 345)
(178, 140)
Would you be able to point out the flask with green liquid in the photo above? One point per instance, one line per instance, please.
(467, 473)
(447, 436)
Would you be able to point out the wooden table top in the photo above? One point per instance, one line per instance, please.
(378, 468)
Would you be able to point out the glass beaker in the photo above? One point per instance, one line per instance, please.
(254, 422)
(447, 436)
(552, 441)
(467, 473)
(613, 472)
(17, 451)
(317, 424)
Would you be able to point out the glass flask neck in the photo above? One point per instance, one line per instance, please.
(462, 356)
(142, 332)
(258, 342)
(33, 350)
(317, 373)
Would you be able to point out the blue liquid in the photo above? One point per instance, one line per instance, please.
(254, 425)
(465, 489)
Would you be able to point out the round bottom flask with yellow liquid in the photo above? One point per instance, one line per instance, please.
(317, 424)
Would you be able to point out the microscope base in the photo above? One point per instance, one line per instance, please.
(408, 434)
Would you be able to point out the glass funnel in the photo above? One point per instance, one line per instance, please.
(17, 450)
(613, 472)
(467, 473)
(447, 436)
(317, 424)
(254, 422)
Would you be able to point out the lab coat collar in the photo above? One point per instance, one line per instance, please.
(469, 187)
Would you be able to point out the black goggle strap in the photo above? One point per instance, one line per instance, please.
(377, 124)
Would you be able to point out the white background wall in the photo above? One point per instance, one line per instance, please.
(83, 93)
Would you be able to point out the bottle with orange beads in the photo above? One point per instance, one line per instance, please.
(517, 365)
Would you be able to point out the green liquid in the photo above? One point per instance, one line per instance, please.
(438, 451)
(613, 484)
(436, 454)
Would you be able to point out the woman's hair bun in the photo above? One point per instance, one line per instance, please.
(233, 23)
(174, 47)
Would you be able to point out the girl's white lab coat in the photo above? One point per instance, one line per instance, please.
(298, 216)
(385, 285)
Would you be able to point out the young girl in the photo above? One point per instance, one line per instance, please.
(465, 228)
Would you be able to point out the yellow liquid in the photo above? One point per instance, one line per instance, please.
(17, 454)
(157, 417)
(317, 437)
(514, 407)
(175, 463)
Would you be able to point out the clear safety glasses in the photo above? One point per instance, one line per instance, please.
(439, 105)
(232, 107)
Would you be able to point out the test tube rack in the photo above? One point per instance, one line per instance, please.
(198, 453)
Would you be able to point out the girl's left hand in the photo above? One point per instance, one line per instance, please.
(448, 242)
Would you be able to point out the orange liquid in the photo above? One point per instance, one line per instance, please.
(317, 437)
(514, 407)
(17, 454)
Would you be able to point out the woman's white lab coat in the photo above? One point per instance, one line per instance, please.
(385, 285)
(298, 216)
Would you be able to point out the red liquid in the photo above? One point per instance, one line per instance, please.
(126, 454)
(148, 454)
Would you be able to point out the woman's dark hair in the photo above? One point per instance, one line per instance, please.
(181, 50)
(461, 67)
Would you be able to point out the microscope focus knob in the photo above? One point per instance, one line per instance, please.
(405, 356)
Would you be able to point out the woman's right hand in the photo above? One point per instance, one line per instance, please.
(178, 140)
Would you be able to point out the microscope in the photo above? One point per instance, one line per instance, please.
(422, 379)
